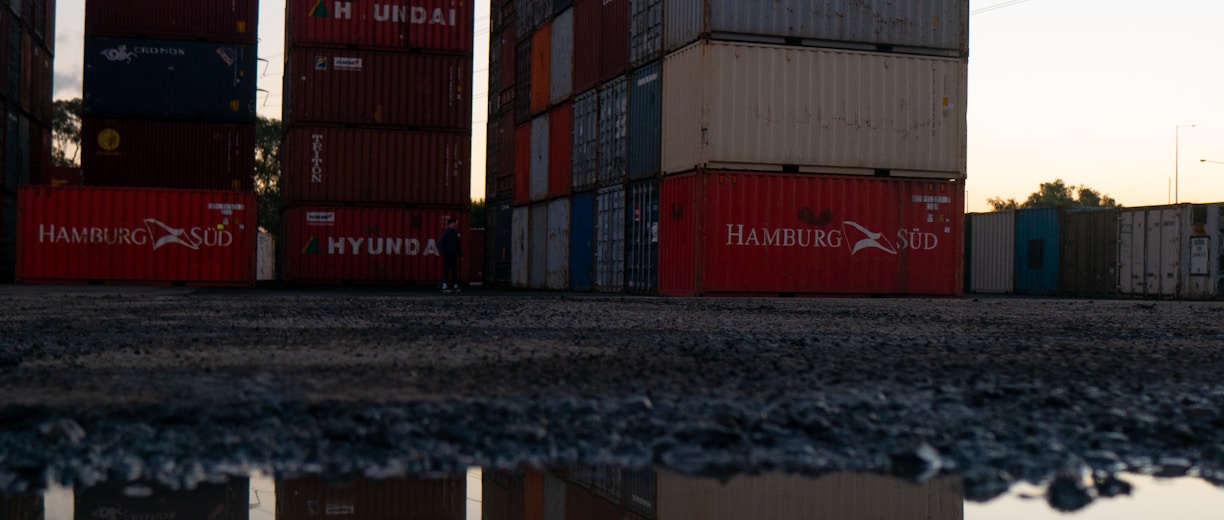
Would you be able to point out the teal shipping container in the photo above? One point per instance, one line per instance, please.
(1037, 250)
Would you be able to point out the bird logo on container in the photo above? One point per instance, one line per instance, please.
(120, 53)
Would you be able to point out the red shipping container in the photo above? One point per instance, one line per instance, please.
(168, 154)
(234, 21)
(129, 235)
(63, 176)
(436, 25)
(522, 164)
(587, 44)
(506, 75)
(364, 165)
(614, 39)
(767, 233)
(541, 65)
(371, 499)
(355, 244)
(560, 139)
(378, 88)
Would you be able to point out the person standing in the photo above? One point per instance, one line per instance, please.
(451, 249)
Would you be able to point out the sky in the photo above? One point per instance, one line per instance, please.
(1093, 92)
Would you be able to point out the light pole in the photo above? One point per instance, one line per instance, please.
(1177, 160)
(1210, 161)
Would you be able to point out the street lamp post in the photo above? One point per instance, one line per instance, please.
(1210, 161)
(1177, 161)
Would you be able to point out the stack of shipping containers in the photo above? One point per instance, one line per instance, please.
(168, 133)
(27, 34)
(377, 137)
(728, 146)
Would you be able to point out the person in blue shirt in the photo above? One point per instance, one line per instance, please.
(451, 249)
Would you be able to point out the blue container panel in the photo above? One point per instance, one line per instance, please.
(642, 237)
(1037, 256)
(645, 122)
(582, 240)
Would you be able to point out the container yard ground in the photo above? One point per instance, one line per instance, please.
(179, 384)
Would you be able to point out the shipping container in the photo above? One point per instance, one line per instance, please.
(614, 39)
(532, 14)
(762, 233)
(584, 503)
(15, 60)
(167, 154)
(358, 244)
(495, 71)
(235, 21)
(613, 130)
(520, 233)
(561, 5)
(560, 150)
(561, 69)
(357, 496)
(22, 507)
(378, 88)
(541, 69)
(509, 61)
(522, 164)
(265, 257)
(992, 252)
(1037, 254)
(642, 492)
(501, 494)
(504, 182)
(473, 261)
(130, 235)
(586, 44)
(62, 176)
(522, 81)
(148, 499)
(1171, 251)
(1089, 263)
(585, 145)
(645, 125)
(539, 158)
(537, 247)
(876, 114)
(642, 237)
(39, 15)
(36, 96)
(645, 31)
(428, 25)
(501, 220)
(375, 166)
(8, 237)
(582, 241)
(558, 245)
(169, 79)
(493, 165)
(610, 239)
(17, 156)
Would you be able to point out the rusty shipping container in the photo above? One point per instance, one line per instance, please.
(522, 81)
(586, 44)
(206, 500)
(36, 80)
(613, 38)
(235, 21)
(813, 110)
(370, 499)
(541, 67)
(136, 235)
(167, 154)
(726, 232)
(326, 86)
(358, 244)
(376, 166)
(560, 152)
(1089, 259)
(431, 25)
(558, 245)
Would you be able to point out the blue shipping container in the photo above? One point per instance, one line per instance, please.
(582, 240)
(1037, 257)
(613, 126)
(645, 122)
(128, 78)
(642, 237)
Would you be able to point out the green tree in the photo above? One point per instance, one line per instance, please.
(268, 173)
(66, 132)
(1057, 194)
(479, 220)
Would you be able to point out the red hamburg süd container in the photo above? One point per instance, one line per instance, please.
(587, 40)
(723, 232)
(378, 88)
(560, 139)
(522, 164)
(435, 25)
(167, 154)
(366, 498)
(234, 21)
(355, 244)
(364, 165)
(614, 38)
(131, 235)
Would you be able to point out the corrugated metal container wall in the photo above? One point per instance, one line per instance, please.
(29, 506)
(582, 241)
(373, 88)
(537, 247)
(541, 69)
(844, 496)
(613, 130)
(435, 25)
(236, 21)
(532, 14)
(501, 495)
(194, 237)
(520, 233)
(17, 154)
(503, 181)
(614, 39)
(1089, 253)
(642, 492)
(642, 237)
(583, 503)
(585, 157)
(368, 165)
(168, 79)
(522, 164)
(586, 44)
(509, 67)
(8, 237)
(645, 125)
(992, 256)
(1149, 250)
(37, 99)
(610, 239)
(493, 167)
(502, 223)
(167, 154)
(522, 81)
(1037, 252)
(10, 56)
(680, 208)
(265, 257)
(495, 73)
(645, 31)
(228, 500)
(875, 111)
(366, 498)
(560, 150)
(558, 237)
(761, 233)
(561, 70)
(13, 87)
(940, 26)
(539, 158)
(354, 244)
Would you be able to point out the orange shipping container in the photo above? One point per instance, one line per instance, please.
(541, 66)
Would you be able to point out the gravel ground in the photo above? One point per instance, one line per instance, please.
(182, 385)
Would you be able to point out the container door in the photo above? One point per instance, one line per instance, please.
(537, 248)
(642, 237)
(518, 251)
(1131, 232)
(558, 244)
(582, 240)
(1170, 251)
(610, 240)
(502, 223)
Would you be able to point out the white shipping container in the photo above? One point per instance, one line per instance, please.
(1149, 250)
(778, 108)
(518, 247)
(558, 244)
(538, 170)
(537, 248)
(992, 251)
(266, 257)
(561, 80)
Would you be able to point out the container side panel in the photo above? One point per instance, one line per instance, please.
(519, 259)
(537, 247)
(678, 240)
(645, 31)
(541, 69)
(522, 164)
(642, 237)
(539, 158)
(582, 241)
(235, 21)
(167, 154)
(645, 126)
(560, 150)
(1037, 251)
(610, 240)
(558, 238)
(502, 226)
(585, 144)
(993, 256)
(433, 25)
(586, 44)
(614, 39)
(561, 73)
(613, 132)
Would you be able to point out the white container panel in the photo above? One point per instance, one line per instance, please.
(519, 257)
(538, 171)
(610, 239)
(561, 82)
(585, 147)
(266, 257)
(992, 254)
(558, 244)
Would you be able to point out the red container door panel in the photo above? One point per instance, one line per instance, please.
(327, 164)
(614, 38)
(587, 53)
(353, 244)
(522, 164)
(678, 212)
(234, 21)
(167, 154)
(136, 235)
(435, 25)
(379, 88)
(560, 139)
